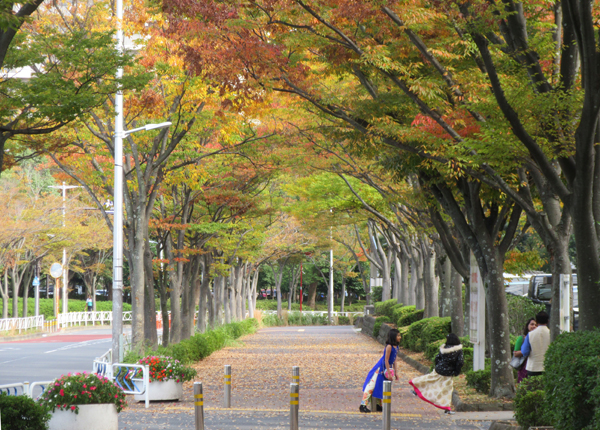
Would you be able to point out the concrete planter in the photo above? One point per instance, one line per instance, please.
(162, 391)
(101, 416)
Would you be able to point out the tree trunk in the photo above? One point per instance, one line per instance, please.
(343, 293)
(137, 275)
(150, 335)
(312, 295)
(404, 286)
(456, 304)
(446, 303)
(430, 285)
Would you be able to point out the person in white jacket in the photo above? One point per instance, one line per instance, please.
(536, 344)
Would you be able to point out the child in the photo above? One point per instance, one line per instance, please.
(436, 387)
(373, 385)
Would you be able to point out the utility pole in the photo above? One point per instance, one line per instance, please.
(64, 189)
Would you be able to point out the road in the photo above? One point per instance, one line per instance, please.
(47, 358)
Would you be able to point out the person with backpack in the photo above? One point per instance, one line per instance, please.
(436, 387)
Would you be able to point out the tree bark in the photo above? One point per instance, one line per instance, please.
(456, 304)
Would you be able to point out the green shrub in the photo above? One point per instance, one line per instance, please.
(436, 328)
(201, 345)
(410, 317)
(22, 413)
(399, 311)
(481, 380)
(423, 332)
(343, 320)
(47, 307)
(385, 308)
(520, 309)
(530, 404)
(378, 322)
(572, 380)
(468, 357)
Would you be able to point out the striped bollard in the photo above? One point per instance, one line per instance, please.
(227, 386)
(199, 405)
(294, 405)
(387, 405)
(296, 375)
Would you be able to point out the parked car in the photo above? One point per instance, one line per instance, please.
(540, 291)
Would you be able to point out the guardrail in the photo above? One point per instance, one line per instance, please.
(20, 324)
(27, 389)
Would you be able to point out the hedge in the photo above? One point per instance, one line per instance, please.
(201, 345)
(530, 405)
(520, 309)
(378, 322)
(410, 317)
(400, 312)
(385, 308)
(481, 380)
(299, 318)
(423, 332)
(22, 413)
(572, 380)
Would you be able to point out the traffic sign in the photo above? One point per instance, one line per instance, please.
(56, 270)
(36, 282)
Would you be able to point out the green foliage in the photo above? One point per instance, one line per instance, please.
(22, 413)
(399, 311)
(468, 357)
(520, 309)
(410, 317)
(386, 308)
(70, 391)
(378, 322)
(297, 318)
(201, 345)
(572, 376)
(530, 403)
(343, 320)
(423, 332)
(46, 307)
(271, 305)
(481, 380)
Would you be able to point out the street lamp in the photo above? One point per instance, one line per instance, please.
(117, 311)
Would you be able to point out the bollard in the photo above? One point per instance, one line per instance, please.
(199, 405)
(294, 405)
(227, 386)
(387, 405)
(296, 375)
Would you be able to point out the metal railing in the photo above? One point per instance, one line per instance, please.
(126, 377)
(21, 324)
(316, 313)
(26, 389)
(71, 319)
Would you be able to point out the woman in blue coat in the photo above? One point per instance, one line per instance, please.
(384, 370)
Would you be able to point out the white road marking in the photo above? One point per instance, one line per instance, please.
(301, 329)
(79, 345)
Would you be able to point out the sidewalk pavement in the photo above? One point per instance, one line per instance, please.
(334, 362)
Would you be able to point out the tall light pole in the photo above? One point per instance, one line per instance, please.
(65, 274)
(120, 133)
(331, 275)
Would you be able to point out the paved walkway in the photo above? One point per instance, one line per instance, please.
(333, 364)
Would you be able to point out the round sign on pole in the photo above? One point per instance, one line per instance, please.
(56, 270)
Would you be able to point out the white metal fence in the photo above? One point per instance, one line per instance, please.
(84, 318)
(24, 388)
(21, 324)
(317, 313)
